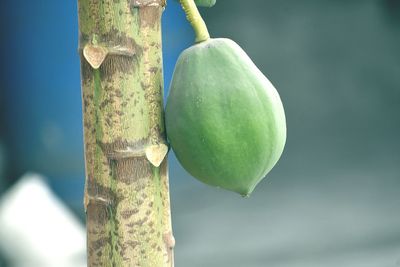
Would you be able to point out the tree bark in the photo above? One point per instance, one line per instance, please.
(126, 192)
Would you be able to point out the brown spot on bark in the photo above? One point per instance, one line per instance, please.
(99, 243)
(130, 225)
(129, 170)
(109, 121)
(154, 70)
(105, 102)
(98, 193)
(118, 93)
(144, 86)
(126, 214)
(120, 63)
(150, 16)
(132, 244)
(141, 222)
(97, 213)
(93, 232)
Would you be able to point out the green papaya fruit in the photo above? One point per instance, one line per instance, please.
(204, 3)
(225, 121)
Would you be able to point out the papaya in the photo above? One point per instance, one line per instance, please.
(224, 119)
(204, 3)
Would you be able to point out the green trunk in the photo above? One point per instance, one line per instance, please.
(126, 193)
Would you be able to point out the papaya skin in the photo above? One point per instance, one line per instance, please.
(225, 121)
(204, 3)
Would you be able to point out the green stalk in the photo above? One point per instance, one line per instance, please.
(126, 192)
(195, 19)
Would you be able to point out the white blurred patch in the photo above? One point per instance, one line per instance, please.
(2, 163)
(37, 229)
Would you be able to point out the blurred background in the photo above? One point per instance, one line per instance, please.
(334, 197)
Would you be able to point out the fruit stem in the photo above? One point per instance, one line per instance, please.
(195, 19)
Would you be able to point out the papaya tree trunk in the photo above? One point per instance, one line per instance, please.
(126, 191)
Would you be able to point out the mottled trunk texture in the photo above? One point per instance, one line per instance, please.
(126, 193)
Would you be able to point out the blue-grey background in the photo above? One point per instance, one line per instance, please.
(334, 197)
